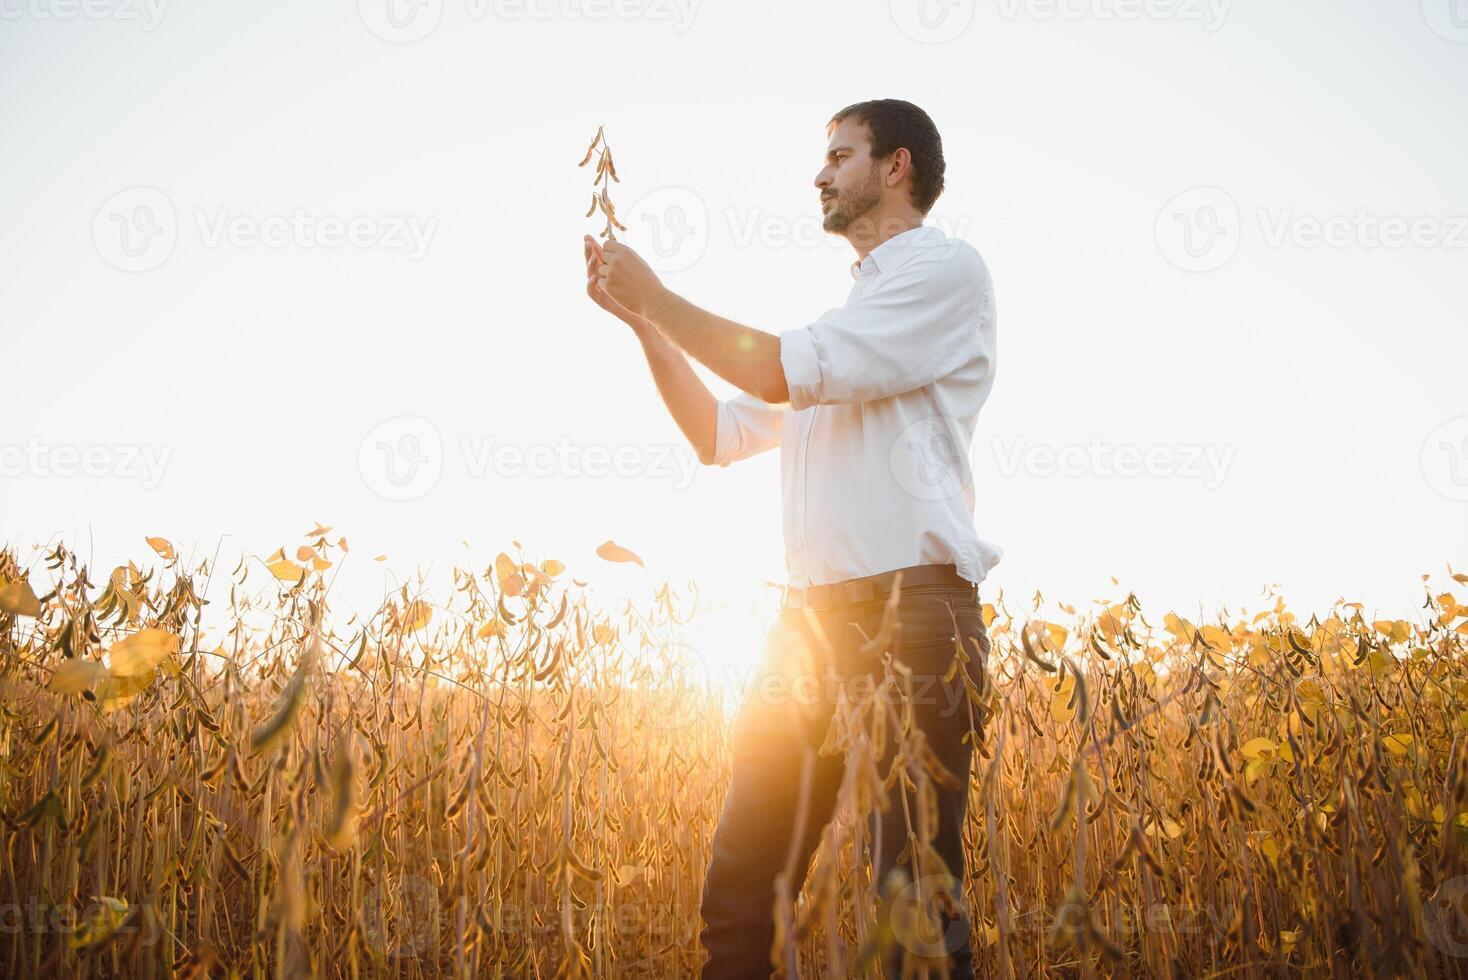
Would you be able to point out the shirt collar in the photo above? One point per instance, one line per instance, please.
(891, 254)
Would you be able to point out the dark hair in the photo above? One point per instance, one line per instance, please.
(893, 124)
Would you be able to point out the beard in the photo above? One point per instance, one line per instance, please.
(849, 206)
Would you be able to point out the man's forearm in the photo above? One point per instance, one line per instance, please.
(689, 400)
(743, 356)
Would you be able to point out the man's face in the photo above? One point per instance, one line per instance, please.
(850, 182)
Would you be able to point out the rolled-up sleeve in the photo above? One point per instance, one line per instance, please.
(919, 324)
(745, 425)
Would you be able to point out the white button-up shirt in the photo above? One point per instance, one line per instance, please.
(884, 396)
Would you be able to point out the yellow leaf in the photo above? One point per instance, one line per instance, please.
(162, 546)
(611, 551)
(18, 599)
(1310, 691)
(416, 615)
(1063, 700)
(1217, 637)
(1170, 827)
(304, 553)
(492, 628)
(1178, 627)
(76, 676)
(1396, 630)
(1399, 744)
(552, 567)
(380, 558)
(287, 570)
(1380, 663)
(141, 652)
(320, 564)
(512, 584)
(1415, 805)
(114, 692)
(1256, 767)
(101, 920)
(1256, 747)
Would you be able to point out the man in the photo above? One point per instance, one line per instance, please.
(873, 407)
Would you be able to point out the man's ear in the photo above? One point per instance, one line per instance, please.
(900, 166)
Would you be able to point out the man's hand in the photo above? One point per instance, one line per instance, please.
(626, 279)
(622, 284)
(594, 260)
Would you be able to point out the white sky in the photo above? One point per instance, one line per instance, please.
(1320, 374)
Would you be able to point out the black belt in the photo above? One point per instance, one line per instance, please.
(871, 587)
